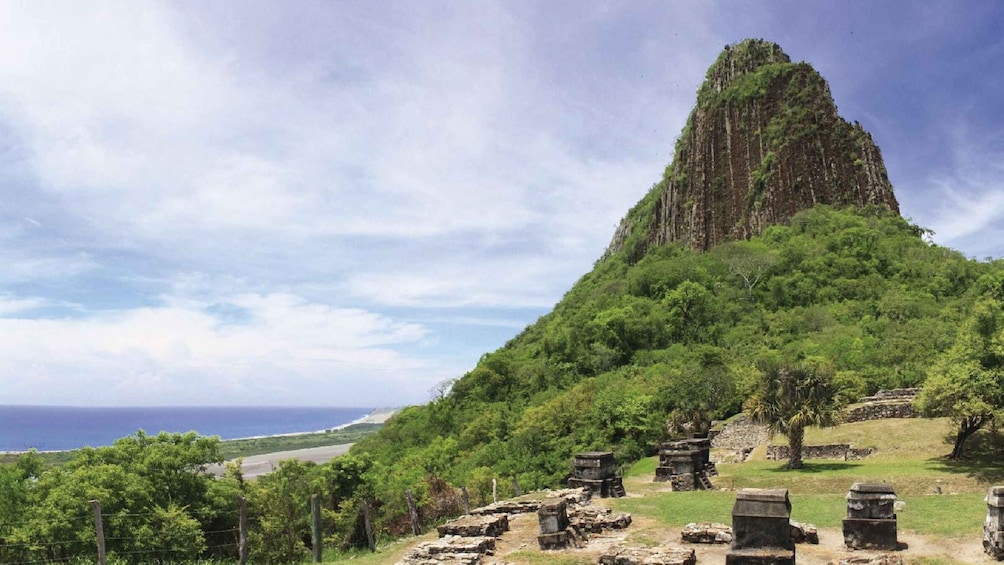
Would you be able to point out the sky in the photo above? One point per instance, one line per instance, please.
(349, 203)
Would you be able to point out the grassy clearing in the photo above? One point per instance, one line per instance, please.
(909, 456)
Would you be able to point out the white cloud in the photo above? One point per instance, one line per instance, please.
(283, 349)
(968, 193)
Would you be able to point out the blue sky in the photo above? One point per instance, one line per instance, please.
(347, 203)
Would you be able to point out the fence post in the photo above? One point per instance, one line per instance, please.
(495, 491)
(412, 511)
(515, 487)
(370, 538)
(99, 530)
(315, 520)
(242, 536)
(467, 500)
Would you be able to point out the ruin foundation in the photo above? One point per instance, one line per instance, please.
(871, 518)
(490, 525)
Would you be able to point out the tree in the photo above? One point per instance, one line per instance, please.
(750, 261)
(967, 381)
(791, 397)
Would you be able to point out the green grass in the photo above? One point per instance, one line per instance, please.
(910, 457)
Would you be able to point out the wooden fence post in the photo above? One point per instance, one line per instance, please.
(467, 500)
(99, 529)
(242, 535)
(495, 491)
(515, 487)
(315, 528)
(412, 511)
(370, 538)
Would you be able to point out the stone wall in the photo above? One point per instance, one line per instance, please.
(833, 451)
(895, 403)
(741, 435)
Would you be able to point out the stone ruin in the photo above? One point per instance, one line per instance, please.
(508, 507)
(450, 549)
(595, 519)
(706, 532)
(716, 533)
(686, 464)
(761, 528)
(597, 471)
(871, 517)
(649, 556)
(895, 403)
(563, 524)
(993, 526)
(488, 525)
(556, 531)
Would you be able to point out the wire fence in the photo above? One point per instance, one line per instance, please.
(190, 536)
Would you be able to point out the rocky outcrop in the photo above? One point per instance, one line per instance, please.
(763, 142)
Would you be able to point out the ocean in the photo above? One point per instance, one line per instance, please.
(57, 428)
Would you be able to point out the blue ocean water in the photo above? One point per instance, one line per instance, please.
(55, 428)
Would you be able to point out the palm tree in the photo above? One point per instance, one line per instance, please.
(792, 397)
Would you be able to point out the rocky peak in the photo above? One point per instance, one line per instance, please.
(740, 59)
(763, 142)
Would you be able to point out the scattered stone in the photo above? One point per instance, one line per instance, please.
(871, 517)
(450, 549)
(649, 556)
(595, 519)
(804, 533)
(884, 559)
(508, 507)
(706, 532)
(488, 525)
(761, 528)
(993, 525)
(573, 496)
(597, 471)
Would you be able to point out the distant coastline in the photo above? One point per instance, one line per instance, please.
(57, 429)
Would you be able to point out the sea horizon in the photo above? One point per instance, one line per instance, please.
(61, 427)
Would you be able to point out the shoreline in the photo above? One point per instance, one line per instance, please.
(376, 416)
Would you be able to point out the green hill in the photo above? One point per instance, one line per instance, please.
(772, 236)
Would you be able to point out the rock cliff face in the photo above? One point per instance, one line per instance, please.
(763, 142)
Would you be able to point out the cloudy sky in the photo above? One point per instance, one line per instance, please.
(346, 203)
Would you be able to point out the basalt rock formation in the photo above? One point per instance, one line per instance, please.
(763, 142)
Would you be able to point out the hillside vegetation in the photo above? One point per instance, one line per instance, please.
(676, 336)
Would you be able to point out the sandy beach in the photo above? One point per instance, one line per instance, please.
(258, 465)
